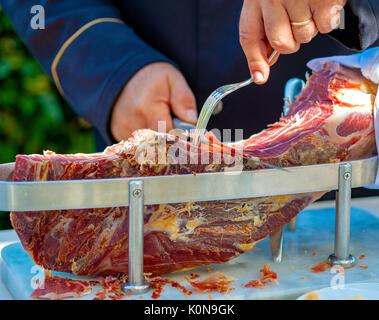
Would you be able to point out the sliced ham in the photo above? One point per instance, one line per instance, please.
(331, 121)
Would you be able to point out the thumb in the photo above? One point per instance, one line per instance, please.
(160, 118)
(257, 61)
(182, 100)
(252, 39)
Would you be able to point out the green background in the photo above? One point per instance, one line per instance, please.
(33, 115)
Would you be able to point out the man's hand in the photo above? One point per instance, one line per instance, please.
(150, 96)
(267, 23)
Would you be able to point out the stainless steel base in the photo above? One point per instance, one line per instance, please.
(131, 289)
(341, 254)
(346, 263)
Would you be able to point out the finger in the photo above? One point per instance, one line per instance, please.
(298, 11)
(278, 28)
(124, 118)
(182, 100)
(326, 15)
(252, 40)
(160, 119)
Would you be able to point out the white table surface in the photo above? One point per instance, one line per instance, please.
(6, 237)
(370, 204)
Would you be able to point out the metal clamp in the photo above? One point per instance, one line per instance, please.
(136, 278)
(341, 254)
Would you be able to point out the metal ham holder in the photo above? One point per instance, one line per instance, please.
(137, 192)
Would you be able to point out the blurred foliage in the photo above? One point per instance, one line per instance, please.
(33, 115)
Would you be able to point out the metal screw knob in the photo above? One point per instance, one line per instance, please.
(137, 193)
(347, 175)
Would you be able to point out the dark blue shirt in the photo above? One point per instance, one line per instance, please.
(91, 48)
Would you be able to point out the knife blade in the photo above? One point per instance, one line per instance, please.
(187, 126)
(182, 125)
(262, 163)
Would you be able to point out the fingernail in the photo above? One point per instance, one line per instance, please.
(258, 77)
(191, 115)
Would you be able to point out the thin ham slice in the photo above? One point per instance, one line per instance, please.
(59, 288)
(217, 282)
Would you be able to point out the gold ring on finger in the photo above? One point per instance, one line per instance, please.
(301, 23)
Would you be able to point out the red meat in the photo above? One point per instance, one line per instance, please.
(331, 121)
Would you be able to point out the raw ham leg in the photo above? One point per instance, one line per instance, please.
(331, 121)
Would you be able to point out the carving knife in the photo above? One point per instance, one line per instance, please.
(187, 126)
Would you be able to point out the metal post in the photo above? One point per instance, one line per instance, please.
(276, 245)
(341, 254)
(292, 224)
(136, 278)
